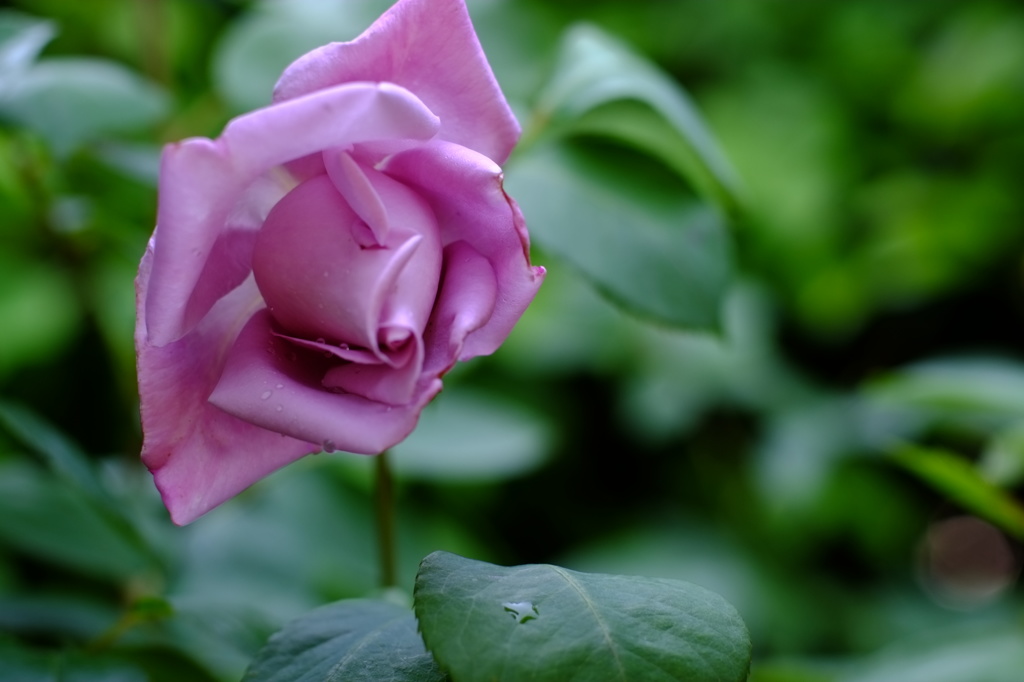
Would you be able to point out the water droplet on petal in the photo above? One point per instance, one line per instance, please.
(329, 446)
(279, 386)
(521, 611)
(266, 394)
(321, 340)
(279, 408)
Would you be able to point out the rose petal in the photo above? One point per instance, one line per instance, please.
(344, 352)
(464, 304)
(464, 189)
(394, 384)
(200, 456)
(227, 266)
(316, 278)
(263, 373)
(230, 259)
(354, 185)
(202, 182)
(430, 47)
(414, 291)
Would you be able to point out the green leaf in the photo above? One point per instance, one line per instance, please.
(139, 161)
(549, 624)
(358, 640)
(975, 653)
(19, 663)
(682, 549)
(70, 101)
(956, 477)
(52, 520)
(68, 617)
(59, 452)
(1002, 463)
(473, 436)
(28, 665)
(600, 86)
(637, 238)
(991, 388)
(22, 37)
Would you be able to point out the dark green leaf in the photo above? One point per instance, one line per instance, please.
(640, 241)
(110, 514)
(21, 664)
(57, 614)
(62, 455)
(956, 477)
(546, 623)
(53, 520)
(26, 665)
(601, 86)
(357, 640)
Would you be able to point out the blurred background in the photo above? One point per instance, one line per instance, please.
(780, 353)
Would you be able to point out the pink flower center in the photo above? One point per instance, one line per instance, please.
(331, 283)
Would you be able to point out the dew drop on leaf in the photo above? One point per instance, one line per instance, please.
(521, 611)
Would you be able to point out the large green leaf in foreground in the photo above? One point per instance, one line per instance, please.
(549, 624)
(356, 640)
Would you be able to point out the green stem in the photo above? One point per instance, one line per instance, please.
(384, 500)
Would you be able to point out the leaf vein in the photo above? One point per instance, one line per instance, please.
(605, 631)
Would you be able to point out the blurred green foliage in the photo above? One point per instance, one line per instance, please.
(775, 376)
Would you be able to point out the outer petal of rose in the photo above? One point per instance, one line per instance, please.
(430, 47)
(200, 455)
(202, 181)
(264, 373)
(464, 189)
(465, 303)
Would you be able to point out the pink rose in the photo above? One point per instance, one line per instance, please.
(318, 268)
